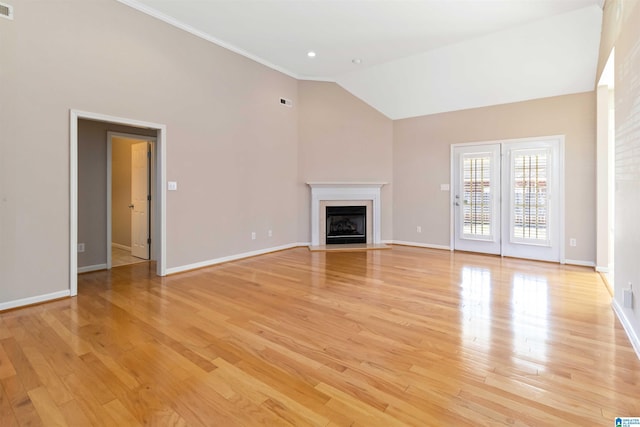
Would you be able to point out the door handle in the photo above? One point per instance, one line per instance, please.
(131, 206)
(457, 204)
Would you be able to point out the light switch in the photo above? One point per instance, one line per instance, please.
(172, 186)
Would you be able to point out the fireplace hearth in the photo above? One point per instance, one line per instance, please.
(346, 224)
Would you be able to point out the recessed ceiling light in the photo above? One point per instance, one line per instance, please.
(311, 54)
(357, 61)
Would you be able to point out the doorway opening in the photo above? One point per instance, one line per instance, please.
(605, 158)
(130, 217)
(158, 206)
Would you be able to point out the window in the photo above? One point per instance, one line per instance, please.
(530, 198)
(477, 206)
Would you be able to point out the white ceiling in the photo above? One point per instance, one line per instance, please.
(417, 57)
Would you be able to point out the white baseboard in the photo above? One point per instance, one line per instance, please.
(604, 270)
(211, 262)
(578, 262)
(89, 268)
(628, 326)
(34, 300)
(419, 245)
(119, 246)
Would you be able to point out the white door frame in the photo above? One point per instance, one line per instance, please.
(152, 168)
(159, 206)
(561, 185)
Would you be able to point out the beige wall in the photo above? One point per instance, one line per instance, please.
(121, 190)
(341, 139)
(627, 167)
(241, 159)
(421, 162)
(230, 145)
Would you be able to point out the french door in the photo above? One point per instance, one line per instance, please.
(477, 198)
(506, 198)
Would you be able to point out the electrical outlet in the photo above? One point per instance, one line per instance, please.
(80, 247)
(270, 233)
(419, 229)
(573, 242)
(253, 235)
(627, 297)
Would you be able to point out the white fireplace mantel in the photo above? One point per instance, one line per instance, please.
(331, 191)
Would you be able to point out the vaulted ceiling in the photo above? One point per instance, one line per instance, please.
(409, 58)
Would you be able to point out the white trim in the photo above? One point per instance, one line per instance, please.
(33, 300)
(452, 200)
(563, 197)
(90, 268)
(319, 79)
(236, 257)
(359, 184)
(419, 245)
(627, 325)
(119, 246)
(578, 262)
(154, 208)
(109, 198)
(201, 34)
(161, 191)
(344, 191)
(604, 270)
(73, 203)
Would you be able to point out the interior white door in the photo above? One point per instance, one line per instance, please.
(140, 200)
(477, 198)
(531, 208)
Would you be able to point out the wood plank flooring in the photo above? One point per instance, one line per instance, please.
(121, 256)
(407, 336)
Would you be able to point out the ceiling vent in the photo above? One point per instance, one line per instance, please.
(286, 102)
(6, 11)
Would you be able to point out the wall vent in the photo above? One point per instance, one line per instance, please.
(6, 11)
(286, 102)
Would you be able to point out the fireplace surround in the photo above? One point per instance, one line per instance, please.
(325, 194)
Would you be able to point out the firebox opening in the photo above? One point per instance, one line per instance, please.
(346, 224)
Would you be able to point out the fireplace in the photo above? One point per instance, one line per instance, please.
(346, 224)
(362, 195)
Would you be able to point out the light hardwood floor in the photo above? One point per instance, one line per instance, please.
(406, 336)
(123, 257)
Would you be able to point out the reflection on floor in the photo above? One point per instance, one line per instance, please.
(400, 337)
(123, 257)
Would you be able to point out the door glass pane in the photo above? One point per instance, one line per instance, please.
(477, 198)
(530, 210)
